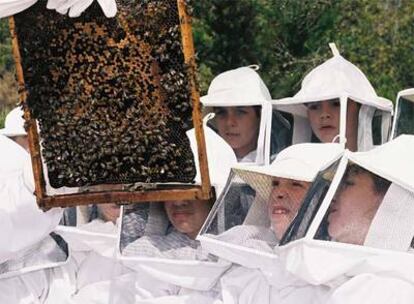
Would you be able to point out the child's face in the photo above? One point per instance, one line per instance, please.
(109, 212)
(353, 208)
(284, 202)
(324, 119)
(187, 216)
(239, 127)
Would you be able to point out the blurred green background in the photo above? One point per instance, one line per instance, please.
(287, 38)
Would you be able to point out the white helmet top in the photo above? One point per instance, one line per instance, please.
(367, 242)
(339, 79)
(239, 87)
(334, 78)
(299, 162)
(14, 123)
(220, 157)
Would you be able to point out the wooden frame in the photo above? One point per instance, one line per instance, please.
(161, 193)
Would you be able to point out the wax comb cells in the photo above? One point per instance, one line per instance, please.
(112, 96)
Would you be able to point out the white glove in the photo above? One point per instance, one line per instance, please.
(11, 7)
(54, 4)
(62, 6)
(77, 7)
(109, 7)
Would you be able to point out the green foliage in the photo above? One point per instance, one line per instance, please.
(379, 39)
(290, 37)
(8, 86)
(287, 38)
(3, 114)
(224, 35)
(6, 59)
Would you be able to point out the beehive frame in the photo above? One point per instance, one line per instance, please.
(161, 192)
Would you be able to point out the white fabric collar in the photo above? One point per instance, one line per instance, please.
(248, 158)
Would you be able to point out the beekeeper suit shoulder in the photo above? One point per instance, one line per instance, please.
(372, 288)
(93, 247)
(49, 286)
(251, 236)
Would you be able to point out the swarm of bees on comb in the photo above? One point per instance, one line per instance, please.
(111, 95)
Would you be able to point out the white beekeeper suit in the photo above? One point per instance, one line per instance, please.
(92, 247)
(243, 87)
(74, 8)
(338, 80)
(251, 244)
(360, 237)
(33, 262)
(404, 113)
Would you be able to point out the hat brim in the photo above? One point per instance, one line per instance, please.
(7, 133)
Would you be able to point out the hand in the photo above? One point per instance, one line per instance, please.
(11, 7)
(77, 7)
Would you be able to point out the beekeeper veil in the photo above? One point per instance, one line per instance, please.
(161, 245)
(276, 193)
(26, 242)
(404, 113)
(368, 209)
(337, 103)
(243, 115)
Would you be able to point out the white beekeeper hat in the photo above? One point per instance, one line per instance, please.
(239, 87)
(239, 240)
(243, 87)
(300, 162)
(389, 233)
(220, 157)
(14, 123)
(337, 78)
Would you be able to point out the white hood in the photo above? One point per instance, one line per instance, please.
(19, 213)
(337, 78)
(239, 87)
(243, 87)
(391, 161)
(250, 243)
(220, 158)
(14, 123)
(390, 233)
(334, 78)
(300, 162)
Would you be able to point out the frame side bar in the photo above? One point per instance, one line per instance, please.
(189, 58)
(40, 188)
